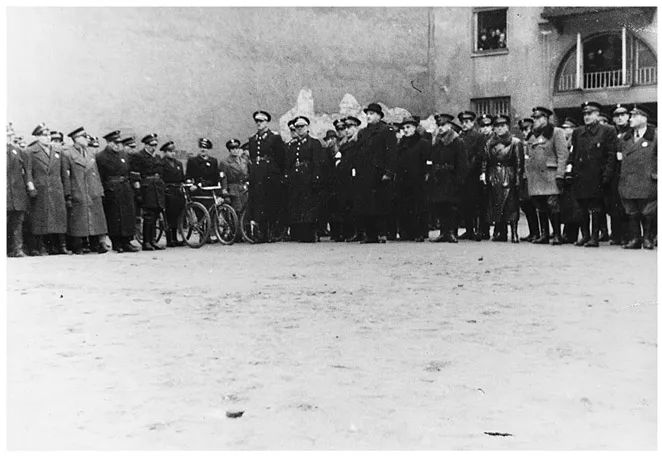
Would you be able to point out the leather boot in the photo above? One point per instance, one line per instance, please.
(500, 232)
(77, 246)
(585, 227)
(152, 238)
(127, 246)
(17, 240)
(61, 248)
(616, 230)
(147, 235)
(625, 230)
(532, 222)
(544, 229)
(603, 235)
(649, 221)
(595, 230)
(635, 233)
(514, 236)
(556, 228)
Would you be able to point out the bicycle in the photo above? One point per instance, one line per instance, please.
(252, 233)
(194, 223)
(161, 228)
(224, 219)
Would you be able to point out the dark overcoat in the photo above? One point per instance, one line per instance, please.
(48, 212)
(304, 168)
(594, 154)
(375, 158)
(19, 173)
(152, 187)
(638, 178)
(173, 176)
(86, 216)
(503, 168)
(448, 170)
(474, 146)
(203, 170)
(266, 170)
(118, 197)
(341, 200)
(413, 154)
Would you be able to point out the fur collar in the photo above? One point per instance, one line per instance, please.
(547, 131)
(648, 136)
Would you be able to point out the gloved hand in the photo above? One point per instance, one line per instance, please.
(32, 191)
(194, 187)
(386, 177)
(559, 184)
(225, 193)
(68, 202)
(483, 178)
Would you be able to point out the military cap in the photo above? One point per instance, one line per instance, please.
(470, 115)
(330, 134)
(526, 120)
(204, 143)
(232, 144)
(502, 119)
(636, 109)
(619, 109)
(569, 122)
(113, 136)
(409, 120)
(151, 139)
(589, 106)
(485, 119)
(339, 124)
(443, 118)
(40, 130)
(540, 111)
(301, 121)
(167, 146)
(80, 131)
(456, 127)
(129, 140)
(352, 120)
(262, 115)
(376, 108)
(57, 135)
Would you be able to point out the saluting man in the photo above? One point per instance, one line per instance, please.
(86, 216)
(118, 201)
(149, 167)
(266, 171)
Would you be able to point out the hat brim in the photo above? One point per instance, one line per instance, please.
(381, 113)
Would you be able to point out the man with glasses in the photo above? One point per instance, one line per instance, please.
(545, 169)
(118, 202)
(267, 163)
(592, 166)
(149, 167)
(48, 214)
(86, 216)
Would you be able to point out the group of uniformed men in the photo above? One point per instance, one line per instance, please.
(392, 181)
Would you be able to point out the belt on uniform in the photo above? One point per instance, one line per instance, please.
(115, 179)
(152, 177)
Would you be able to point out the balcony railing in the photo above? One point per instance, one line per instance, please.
(607, 79)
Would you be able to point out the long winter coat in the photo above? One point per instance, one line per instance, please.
(86, 217)
(234, 172)
(503, 170)
(118, 197)
(375, 158)
(304, 168)
(48, 214)
(638, 178)
(152, 187)
(342, 184)
(474, 146)
(203, 170)
(546, 160)
(449, 169)
(413, 153)
(594, 156)
(19, 173)
(266, 170)
(173, 176)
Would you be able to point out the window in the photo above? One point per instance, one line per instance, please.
(491, 30)
(493, 106)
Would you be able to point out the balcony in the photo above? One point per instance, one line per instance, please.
(608, 79)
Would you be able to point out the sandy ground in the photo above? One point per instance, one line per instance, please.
(334, 346)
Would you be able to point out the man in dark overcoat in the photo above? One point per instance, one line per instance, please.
(344, 184)
(374, 166)
(447, 172)
(48, 214)
(266, 171)
(149, 167)
(638, 180)
(86, 216)
(619, 219)
(593, 161)
(474, 143)
(173, 176)
(118, 200)
(20, 188)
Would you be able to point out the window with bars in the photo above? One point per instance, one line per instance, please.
(493, 106)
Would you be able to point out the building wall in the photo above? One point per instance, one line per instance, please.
(191, 72)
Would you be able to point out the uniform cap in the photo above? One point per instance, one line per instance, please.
(501, 120)
(233, 144)
(466, 115)
(112, 136)
(443, 118)
(569, 122)
(204, 143)
(540, 111)
(619, 109)
(40, 129)
(262, 115)
(589, 106)
(301, 121)
(641, 111)
(80, 131)
(170, 145)
(151, 139)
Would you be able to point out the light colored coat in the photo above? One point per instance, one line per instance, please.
(547, 155)
(48, 214)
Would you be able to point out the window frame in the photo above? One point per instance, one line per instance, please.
(474, 40)
(492, 101)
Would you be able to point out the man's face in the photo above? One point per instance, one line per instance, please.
(302, 130)
(170, 153)
(115, 145)
(408, 130)
(151, 148)
(261, 124)
(467, 124)
(539, 121)
(621, 119)
(82, 140)
(590, 117)
(341, 130)
(373, 117)
(445, 126)
(486, 129)
(204, 152)
(638, 121)
(44, 138)
(501, 129)
(351, 130)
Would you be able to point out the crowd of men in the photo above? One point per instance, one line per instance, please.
(372, 184)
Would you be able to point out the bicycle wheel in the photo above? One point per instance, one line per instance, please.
(161, 227)
(226, 223)
(250, 230)
(194, 225)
